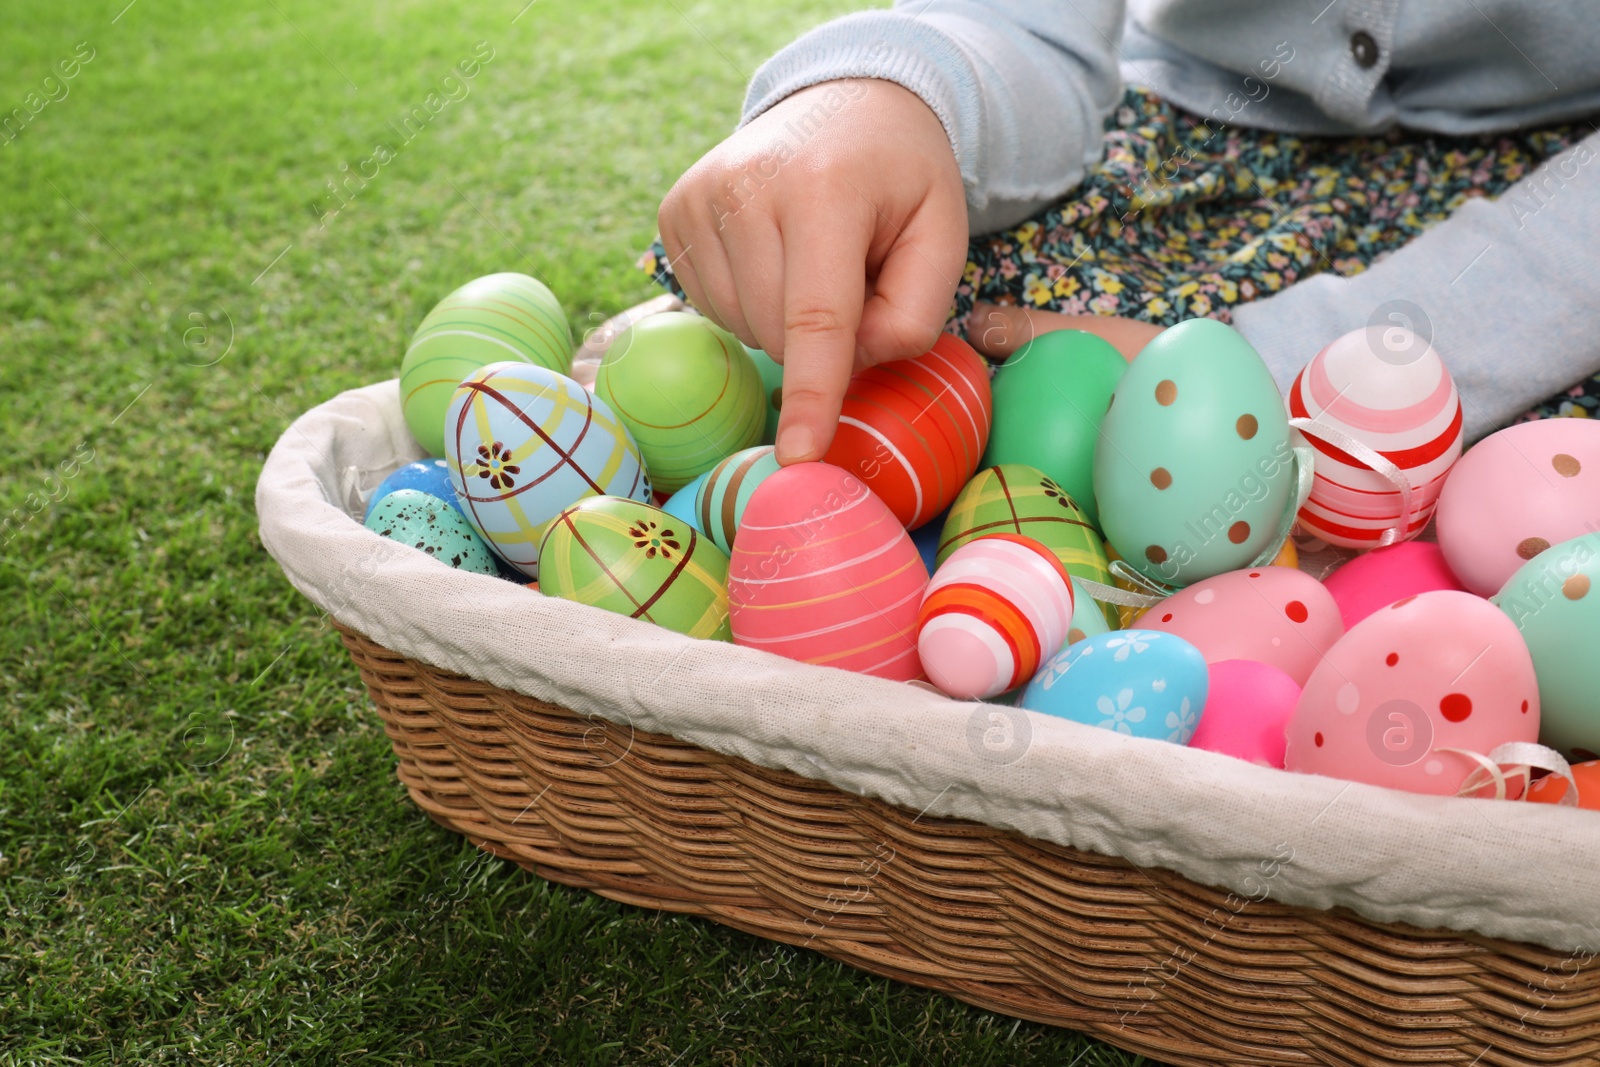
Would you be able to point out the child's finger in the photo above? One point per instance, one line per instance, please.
(914, 285)
(824, 276)
(755, 255)
(715, 275)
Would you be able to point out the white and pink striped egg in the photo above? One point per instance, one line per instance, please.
(999, 606)
(1388, 389)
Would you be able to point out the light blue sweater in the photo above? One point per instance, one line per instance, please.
(1509, 290)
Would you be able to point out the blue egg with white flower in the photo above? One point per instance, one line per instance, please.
(1136, 682)
(431, 476)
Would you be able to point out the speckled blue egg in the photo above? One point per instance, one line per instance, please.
(423, 521)
(1135, 682)
(431, 476)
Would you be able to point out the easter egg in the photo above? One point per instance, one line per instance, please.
(431, 476)
(1288, 555)
(682, 504)
(1437, 671)
(1088, 617)
(687, 391)
(823, 572)
(1552, 787)
(634, 559)
(1049, 399)
(1136, 682)
(492, 319)
(726, 492)
(1021, 500)
(1514, 494)
(1193, 469)
(1554, 602)
(913, 430)
(1247, 712)
(997, 607)
(423, 521)
(1376, 579)
(771, 372)
(1386, 388)
(524, 443)
(1269, 614)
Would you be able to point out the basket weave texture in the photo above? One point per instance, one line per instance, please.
(1144, 959)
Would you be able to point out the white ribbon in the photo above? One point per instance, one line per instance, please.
(1374, 461)
(1522, 757)
(1304, 477)
(1112, 595)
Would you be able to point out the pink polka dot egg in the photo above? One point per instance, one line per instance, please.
(1409, 689)
(1388, 389)
(997, 608)
(823, 572)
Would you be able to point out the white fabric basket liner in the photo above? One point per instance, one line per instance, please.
(1498, 868)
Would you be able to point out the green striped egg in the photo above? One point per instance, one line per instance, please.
(687, 391)
(495, 318)
(634, 559)
(1018, 499)
(720, 503)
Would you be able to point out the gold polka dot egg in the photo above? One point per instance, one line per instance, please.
(523, 443)
(1193, 470)
(637, 560)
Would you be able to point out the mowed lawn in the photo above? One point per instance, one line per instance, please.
(205, 857)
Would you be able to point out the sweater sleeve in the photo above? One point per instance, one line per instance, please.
(1508, 289)
(1022, 86)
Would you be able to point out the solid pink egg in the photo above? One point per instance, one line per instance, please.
(1516, 493)
(1437, 671)
(1247, 711)
(1380, 577)
(1275, 615)
(821, 571)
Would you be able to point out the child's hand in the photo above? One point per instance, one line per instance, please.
(829, 231)
(999, 331)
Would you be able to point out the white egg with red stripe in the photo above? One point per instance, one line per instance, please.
(998, 607)
(1388, 389)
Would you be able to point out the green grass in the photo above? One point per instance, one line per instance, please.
(205, 857)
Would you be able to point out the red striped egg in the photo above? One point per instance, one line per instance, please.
(1387, 388)
(914, 430)
(998, 606)
(823, 572)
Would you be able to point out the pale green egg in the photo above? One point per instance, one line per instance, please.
(1193, 468)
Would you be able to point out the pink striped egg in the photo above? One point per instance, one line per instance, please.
(998, 606)
(823, 572)
(1387, 388)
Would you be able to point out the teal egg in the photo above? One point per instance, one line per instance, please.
(1554, 599)
(771, 372)
(681, 505)
(420, 520)
(720, 503)
(1049, 400)
(1193, 467)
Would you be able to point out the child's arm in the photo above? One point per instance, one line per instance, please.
(830, 229)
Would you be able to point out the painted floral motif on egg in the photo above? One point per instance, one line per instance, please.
(1386, 388)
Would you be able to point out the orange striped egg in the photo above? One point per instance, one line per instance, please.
(1387, 388)
(824, 573)
(914, 430)
(997, 607)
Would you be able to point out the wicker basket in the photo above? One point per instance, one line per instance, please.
(1143, 959)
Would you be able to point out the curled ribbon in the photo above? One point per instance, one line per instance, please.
(1374, 461)
(1523, 757)
(1110, 594)
(1304, 476)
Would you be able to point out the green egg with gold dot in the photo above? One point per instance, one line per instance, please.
(1193, 468)
(498, 317)
(635, 559)
(1019, 499)
(688, 392)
